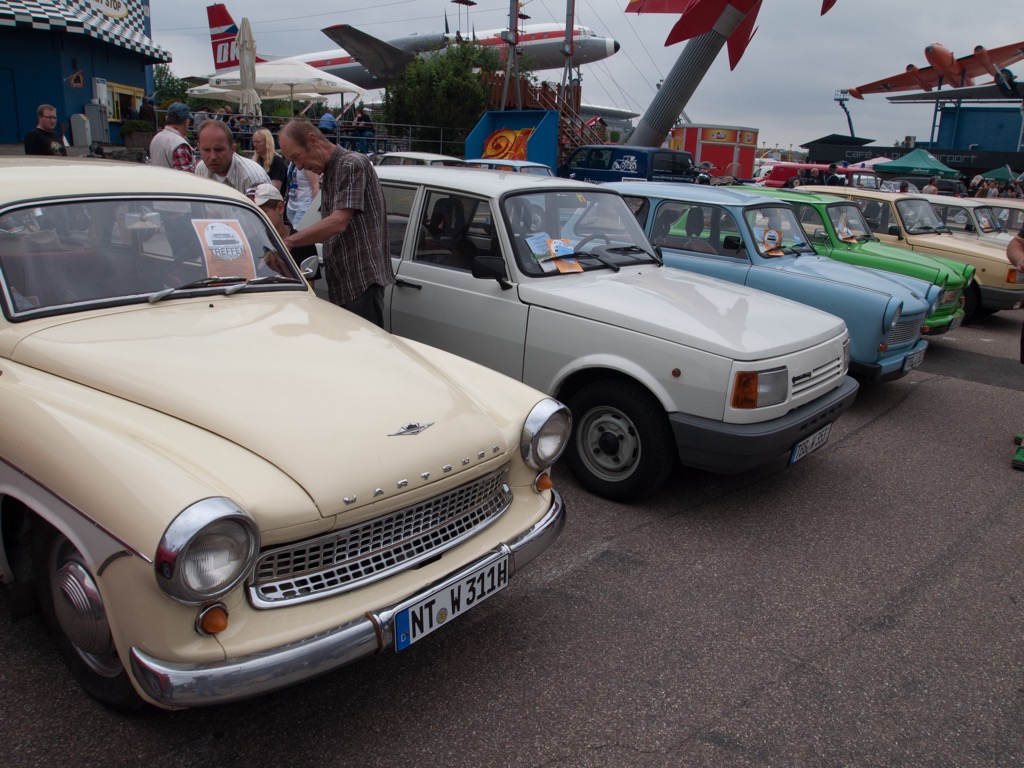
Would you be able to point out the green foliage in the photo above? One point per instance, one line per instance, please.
(128, 127)
(443, 91)
(169, 88)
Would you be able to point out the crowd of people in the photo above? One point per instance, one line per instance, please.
(283, 181)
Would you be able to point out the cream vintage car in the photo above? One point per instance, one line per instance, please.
(909, 221)
(217, 484)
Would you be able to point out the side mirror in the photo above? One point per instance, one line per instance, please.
(491, 268)
(731, 243)
(894, 229)
(309, 266)
(820, 235)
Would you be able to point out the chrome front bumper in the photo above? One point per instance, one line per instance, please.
(176, 685)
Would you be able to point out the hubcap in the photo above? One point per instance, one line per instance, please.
(608, 443)
(79, 610)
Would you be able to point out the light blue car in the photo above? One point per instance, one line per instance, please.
(758, 242)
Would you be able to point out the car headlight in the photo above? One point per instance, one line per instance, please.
(545, 434)
(895, 317)
(206, 551)
(756, 389)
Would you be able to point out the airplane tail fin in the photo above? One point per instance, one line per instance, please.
(223, 31)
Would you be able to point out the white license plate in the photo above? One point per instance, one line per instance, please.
(809, 444)
(445, 603)
(914, 360)
(956, 322)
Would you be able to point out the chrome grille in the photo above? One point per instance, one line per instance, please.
(904, 332)
(822, 373)
(344, 560)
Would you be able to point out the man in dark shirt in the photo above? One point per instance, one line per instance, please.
(45, 139)
(1015, 254)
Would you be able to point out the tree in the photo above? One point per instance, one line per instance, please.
(443, 95)
(169, 88)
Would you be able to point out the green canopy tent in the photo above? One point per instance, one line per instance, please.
(1003, 174)
(919, 162)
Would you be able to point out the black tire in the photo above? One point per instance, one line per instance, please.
(622, 446)
(972, 302)
(64, 585)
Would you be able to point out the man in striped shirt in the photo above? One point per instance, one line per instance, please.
(221, 163)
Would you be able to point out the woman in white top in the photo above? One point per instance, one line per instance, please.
(303, 186)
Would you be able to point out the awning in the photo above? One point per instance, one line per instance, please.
(82, 17)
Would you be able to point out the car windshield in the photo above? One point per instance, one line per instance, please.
(849, 223)
(776, 231)
(918, 216)
(578, 231)
(987, 219)
(1011, 219)
(73, 255)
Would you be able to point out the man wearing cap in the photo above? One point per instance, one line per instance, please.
(221, 163)
(269, 199)
(834, 179)
(170, 148)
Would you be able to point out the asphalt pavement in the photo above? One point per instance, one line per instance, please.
(863, 607)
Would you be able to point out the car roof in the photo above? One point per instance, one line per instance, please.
(698, 193)
(502, 161)
(425, 156)
(30, 178)
(797, 195)
(966, 202)
(874, 194)
(479, 181)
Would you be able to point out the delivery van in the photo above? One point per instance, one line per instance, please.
(613, 162)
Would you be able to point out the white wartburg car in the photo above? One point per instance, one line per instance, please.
(552, 282)
(217, 484)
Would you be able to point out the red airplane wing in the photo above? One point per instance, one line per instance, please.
(913, 80)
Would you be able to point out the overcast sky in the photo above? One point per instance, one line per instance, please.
(784, 85)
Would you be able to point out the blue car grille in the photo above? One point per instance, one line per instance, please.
(353, 557)
(905, 332)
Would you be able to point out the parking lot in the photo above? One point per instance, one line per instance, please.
(863, 607)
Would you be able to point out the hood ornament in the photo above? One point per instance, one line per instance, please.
(413, 428)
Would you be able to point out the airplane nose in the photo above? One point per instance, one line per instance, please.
(615, 46)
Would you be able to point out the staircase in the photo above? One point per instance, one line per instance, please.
(573, 130)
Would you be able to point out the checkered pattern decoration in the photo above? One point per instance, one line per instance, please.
(78, 16)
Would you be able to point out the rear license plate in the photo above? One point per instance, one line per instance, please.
(913, 360)
(809, 444)
(445, 603)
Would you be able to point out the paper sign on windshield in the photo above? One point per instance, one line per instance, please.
(225, 248)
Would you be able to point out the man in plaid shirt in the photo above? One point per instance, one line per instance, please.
(353, 224)
(170, 147)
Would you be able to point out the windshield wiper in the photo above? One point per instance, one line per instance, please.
(233, 283)
(633, 250)
(275, 278)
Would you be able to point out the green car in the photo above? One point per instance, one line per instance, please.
(835, 227)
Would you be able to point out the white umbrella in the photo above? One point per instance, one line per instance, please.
(285, 78)
(249, 103)
(235, 96)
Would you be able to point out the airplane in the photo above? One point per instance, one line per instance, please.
(946, 69)
(371, 63)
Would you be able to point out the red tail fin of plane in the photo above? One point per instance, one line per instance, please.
(223, 32)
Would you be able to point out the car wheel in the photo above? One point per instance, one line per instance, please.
(75, 615)
(622, 447)
(972, 301)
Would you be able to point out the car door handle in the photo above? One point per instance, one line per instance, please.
(406, 284)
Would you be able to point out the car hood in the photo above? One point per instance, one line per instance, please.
(932, 269)
(957, 244)
(911, 291)
(699, 312)
(283, 377)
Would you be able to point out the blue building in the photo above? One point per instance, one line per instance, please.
(86, 57)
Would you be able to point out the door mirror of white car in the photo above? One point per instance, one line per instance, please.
(491, 268)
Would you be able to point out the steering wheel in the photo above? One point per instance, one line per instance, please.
(591, 238)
